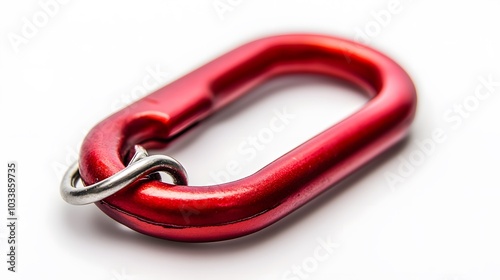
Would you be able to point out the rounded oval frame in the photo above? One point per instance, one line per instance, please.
(238, 208)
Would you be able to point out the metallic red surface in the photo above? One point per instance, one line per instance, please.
(241, 207)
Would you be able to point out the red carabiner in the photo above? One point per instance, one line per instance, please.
(244, 206)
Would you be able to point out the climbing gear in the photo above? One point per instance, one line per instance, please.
(126, 188)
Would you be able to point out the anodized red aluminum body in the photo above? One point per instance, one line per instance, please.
(237, 208)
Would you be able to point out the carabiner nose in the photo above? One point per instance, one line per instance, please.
(234, 209)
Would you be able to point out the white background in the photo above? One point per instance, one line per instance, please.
(440, 221)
